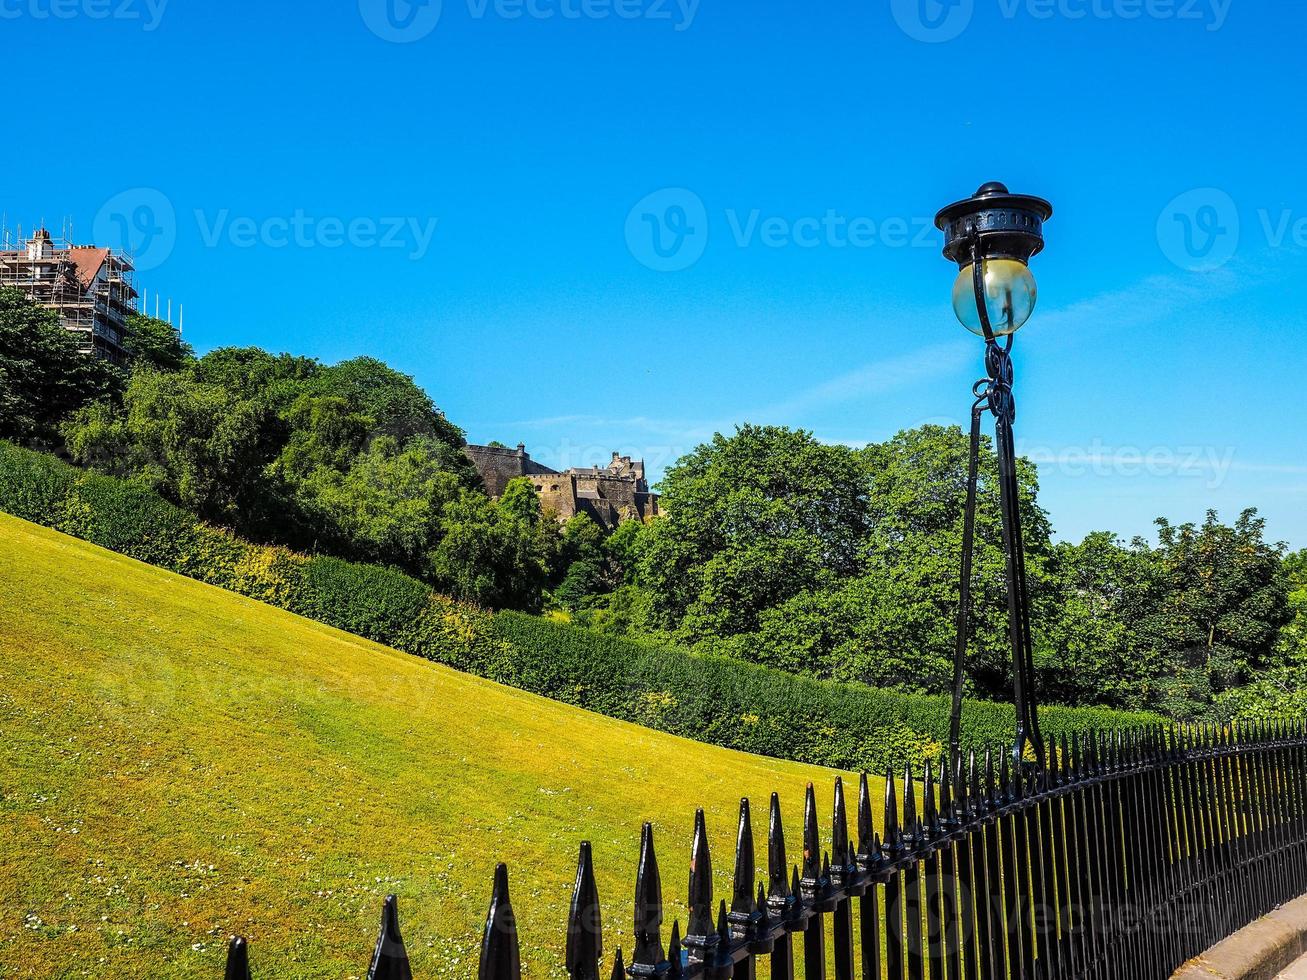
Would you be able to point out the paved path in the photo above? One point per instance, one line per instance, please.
(1297, 971)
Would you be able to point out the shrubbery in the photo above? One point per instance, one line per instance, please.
(756, 709)
(717, 700)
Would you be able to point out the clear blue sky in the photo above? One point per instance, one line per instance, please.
(1162, 373)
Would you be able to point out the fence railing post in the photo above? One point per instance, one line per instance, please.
(238, 960)
(390, 958)
(1121, 856)
(585, 939)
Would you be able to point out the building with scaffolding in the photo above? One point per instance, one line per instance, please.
(89, 288)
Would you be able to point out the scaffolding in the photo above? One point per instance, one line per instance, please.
(90, 289)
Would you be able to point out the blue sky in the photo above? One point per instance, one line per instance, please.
(471, 189)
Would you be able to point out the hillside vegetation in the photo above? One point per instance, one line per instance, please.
(180, 763)
(720, 700)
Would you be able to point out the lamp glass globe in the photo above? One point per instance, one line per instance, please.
(1010, 295)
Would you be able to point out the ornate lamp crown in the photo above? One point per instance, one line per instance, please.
(1009, 226)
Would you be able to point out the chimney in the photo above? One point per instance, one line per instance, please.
(39, 247)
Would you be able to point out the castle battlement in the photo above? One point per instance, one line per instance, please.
(611, 494)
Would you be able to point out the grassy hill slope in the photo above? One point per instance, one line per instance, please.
(179, 763)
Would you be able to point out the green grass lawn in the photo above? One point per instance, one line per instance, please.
(178, 764)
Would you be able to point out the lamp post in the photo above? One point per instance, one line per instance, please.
(992, 236)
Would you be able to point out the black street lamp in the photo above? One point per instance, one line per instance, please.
(991, 236)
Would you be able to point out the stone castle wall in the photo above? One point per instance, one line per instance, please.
(609, 496)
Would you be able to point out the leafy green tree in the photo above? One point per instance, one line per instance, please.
(580, 568)
(324, 433)
(386, 504)
(753, 520)
(155, 343)
(394, 402)
(250, 373)
(913, 554)
(1225, 599)
(893, 622)
(1280, 691)
(495, 554)
(44, 377)
(197, 443)
(1107, 640)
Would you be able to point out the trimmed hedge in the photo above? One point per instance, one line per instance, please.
(710, 699)
(761, 710)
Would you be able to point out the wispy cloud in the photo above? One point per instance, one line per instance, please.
(878, 378)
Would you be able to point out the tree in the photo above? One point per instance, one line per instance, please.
(1107, 640)
(44, 377)
(155, 343)
(753, 520)
(1224, 601)
(581, 570)
(1280, 691)
(395, 403)
(913, 555)
(494, 554)
(385, 504)
(200, 444)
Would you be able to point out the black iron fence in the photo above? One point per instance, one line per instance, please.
(1120, 858)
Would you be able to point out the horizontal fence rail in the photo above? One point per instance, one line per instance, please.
(1122, 856)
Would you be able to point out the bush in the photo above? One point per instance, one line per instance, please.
(366, 600)
(757, 709)
(33, 486)
(712, 699)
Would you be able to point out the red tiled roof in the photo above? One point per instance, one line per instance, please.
(89, 262)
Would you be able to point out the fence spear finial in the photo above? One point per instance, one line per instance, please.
(975, 797)
(619, 969)
(723, 965)
(501, 958)
(946, 807)
(840, 828)
(648, 908)
(778, 886)
(865, 825)
(929, 809)
(811, 839)
(238, 959)
(585, 943)
(390, 958)
(700, 936)
(991, 798)
(910, 828)
(762, 924)
(742, 898)
(891, 813)
(674, 950)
